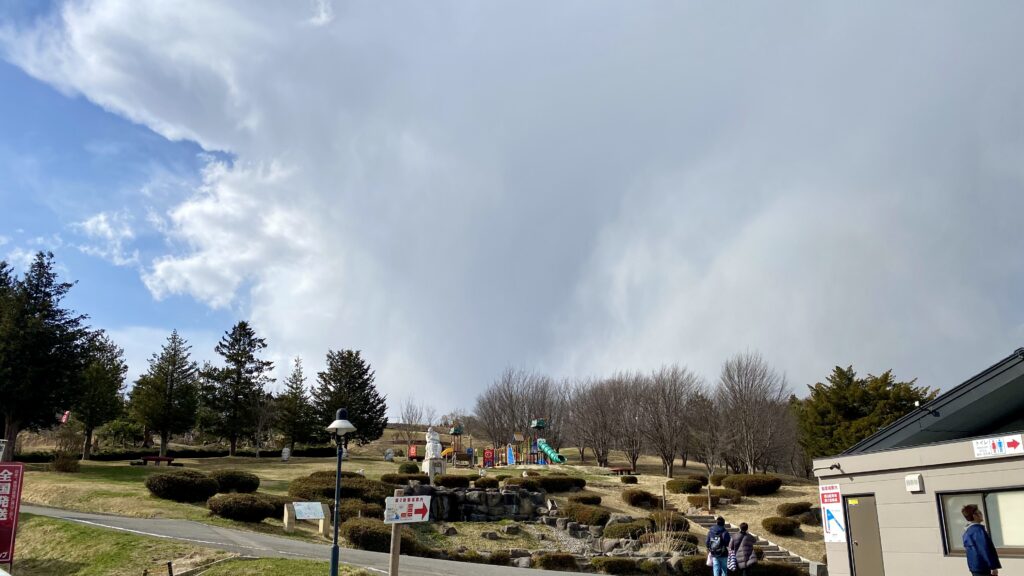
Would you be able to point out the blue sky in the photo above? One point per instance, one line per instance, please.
(455, 188)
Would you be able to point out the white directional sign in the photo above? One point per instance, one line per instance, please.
(308, 510)
(832, 518)
(406, 509)
(1011, 445)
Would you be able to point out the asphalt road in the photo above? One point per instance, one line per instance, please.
(258, 545)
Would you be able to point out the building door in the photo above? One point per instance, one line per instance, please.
(865, 540)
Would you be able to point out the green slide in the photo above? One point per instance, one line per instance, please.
(548, 451)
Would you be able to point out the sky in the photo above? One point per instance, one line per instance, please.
(574, 188)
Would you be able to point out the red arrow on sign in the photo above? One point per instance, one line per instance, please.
(1013, 444)
(422, 511)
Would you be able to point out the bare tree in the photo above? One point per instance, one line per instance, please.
(593, 416)
(430, 416)
(631, 392)
(709, 439)
(666, 422)
(412, 417)
(755, 398)
(515, 399)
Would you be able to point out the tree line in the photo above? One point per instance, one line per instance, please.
(52, 362)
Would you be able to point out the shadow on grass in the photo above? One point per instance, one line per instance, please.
(46, 567)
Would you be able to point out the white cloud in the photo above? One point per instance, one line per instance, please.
(112, 231)
(4, 240)
(457, 187)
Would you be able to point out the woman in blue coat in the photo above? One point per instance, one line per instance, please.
(982, 559)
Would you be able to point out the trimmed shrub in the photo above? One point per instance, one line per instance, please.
(559, 561)
(753, 484)
(373, 535)
(700, 500)
(277, 501)
(694, 565)
(659, 537)
(559, 483)
(683, 486)
(182, 486)
(787, 509)
(585, 514)
(319, 487)
(502, 477)
(777, 569)
(810, 518)
(628, 479)
(780, 526)
(66, 463)
(716, 479)
(499, 558)
(637, 497)
(669, 521)
(408, 468)
(530, 484)
(403, 479)
(631, 530)
(452, 481)
(241, 507)
(611, 565)
(236, 481)
(591, 499)
(729, 494)
(485, 482)
(354, 508)
(323, 475)
(698, 477)
(532, 473)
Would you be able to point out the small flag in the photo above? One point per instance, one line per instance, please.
(64, 418)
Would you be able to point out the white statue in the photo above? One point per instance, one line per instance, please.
(433, 444)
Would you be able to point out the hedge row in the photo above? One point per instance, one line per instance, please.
(753, 484)
(319, 486)
(403, 479)
(683, 486)
(42, 456)
(452, 481)
(486, 482)
(530, 484)
(560, 483)
(697, 566)
(586, 514)
(373, 535)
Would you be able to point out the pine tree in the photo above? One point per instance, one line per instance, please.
(295, 411)
(42, 348)
(238, 388)
(165, 399)
(102, 397)
(348, 383)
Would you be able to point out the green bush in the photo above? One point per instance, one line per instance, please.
(408, 468)
(698, 477)
(683, 486)
(559, 483)
(701, 500)
(733, 496)
(694, 565)
(530, 484)
(319, 487)
(776, 569)
(611, 565)
(637, 497)
(631, 530)
(485, 482)
(66, 463)
(558, 561)
(502, 477)
(787, 509)
(354, 508)
(182, 486)
(811, 517)
(753, 484)
(587, 498)
(241, 507)
(277, 501)
(373, 535)
(780, 526)
(452, 481)
(324, 475)
(716, 479)
(628, 479)
(236, 481)
(404, 479)
(585, 514)
(669, 521)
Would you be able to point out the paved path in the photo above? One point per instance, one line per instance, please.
(268, 546)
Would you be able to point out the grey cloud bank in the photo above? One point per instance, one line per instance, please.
(582, 187)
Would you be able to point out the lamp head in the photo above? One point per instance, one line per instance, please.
(341, 425)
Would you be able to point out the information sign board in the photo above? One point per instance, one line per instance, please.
(406, 509)
(10, 501)
(833, 520)
(308, 510)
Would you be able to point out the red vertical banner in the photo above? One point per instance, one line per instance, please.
(489, 458)
(10, 501)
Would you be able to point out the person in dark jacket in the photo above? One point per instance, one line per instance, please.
(982, 559)
(718, 547)
(743, 547)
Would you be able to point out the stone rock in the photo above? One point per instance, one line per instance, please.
(541, 511)
(525, 562)
(511, 530)
(519, 552)
(551, 520)
(450, 531)
(596, 531)
(561, 523)
(572, 526)
(618, 518)
(476, 498)
(490, 536)
(542, 537)
(609, 544)
(675, 563)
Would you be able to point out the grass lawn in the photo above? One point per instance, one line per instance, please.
(46, 547)
(265, 567)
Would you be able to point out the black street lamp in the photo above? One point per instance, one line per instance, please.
(339, 428)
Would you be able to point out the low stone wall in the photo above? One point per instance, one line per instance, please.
(479, 505)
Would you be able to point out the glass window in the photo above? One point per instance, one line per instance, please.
(1003, 513)
(955, 521)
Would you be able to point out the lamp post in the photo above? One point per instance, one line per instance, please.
(339, 428)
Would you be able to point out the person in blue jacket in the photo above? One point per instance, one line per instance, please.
(718, 547)
(982, 559)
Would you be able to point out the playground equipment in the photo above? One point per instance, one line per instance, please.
(548, 451)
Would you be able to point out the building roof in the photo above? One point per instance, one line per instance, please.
(989, 403)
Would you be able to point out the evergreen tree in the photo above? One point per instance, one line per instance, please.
(238, 388)
(102, 395)
(295, 411)
(165, 399)
(348, 383)
(42, 348)
(845, 409)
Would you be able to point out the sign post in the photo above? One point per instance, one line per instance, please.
(1011, 445)
(832, 518)
(403, 510)
(10, 501)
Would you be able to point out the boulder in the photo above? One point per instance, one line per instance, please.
(525, 562)
(609, 544)
(596, 531)
(490, 536)
(561, 523)
(551, 520)
(450, 531)
(519, 553)
(619, 518)
(572, 526)
(510, 530)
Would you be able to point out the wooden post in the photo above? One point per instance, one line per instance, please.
(396, 542)
(289, 517)
(664, 499)
(325, 522)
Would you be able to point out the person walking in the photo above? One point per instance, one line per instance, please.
(742, 547)
(718, 547)
(982, 559)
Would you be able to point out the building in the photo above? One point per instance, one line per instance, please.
(891, 504)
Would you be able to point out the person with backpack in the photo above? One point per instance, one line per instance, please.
(982, 559)
(718, 547)
(742, 549)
